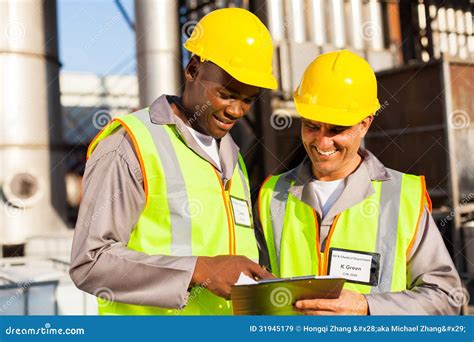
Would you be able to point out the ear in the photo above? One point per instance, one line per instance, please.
(365, 125)
(192, 69)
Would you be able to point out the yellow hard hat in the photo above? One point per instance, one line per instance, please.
(338, 88)
(238, 42)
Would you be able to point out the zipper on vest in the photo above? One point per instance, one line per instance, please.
(228, 212)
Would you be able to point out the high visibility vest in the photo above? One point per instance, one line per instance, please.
(187, 211)
(385, 222)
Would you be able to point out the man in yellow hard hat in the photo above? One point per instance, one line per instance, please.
(165, 223)
(342, 213)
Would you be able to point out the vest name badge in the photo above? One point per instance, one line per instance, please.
(241, 211)
(355, 266)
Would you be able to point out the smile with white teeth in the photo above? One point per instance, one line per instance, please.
(326, 153)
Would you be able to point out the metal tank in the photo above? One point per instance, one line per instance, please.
(158, 49)
(32, 196)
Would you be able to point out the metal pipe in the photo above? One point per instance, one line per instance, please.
(32, 171)
(442, 26)
(461, 37)
(469, 32)
(435, 30)
(357, 37)
(296, 20)
(276, 21)
(317, 27)
(338, 34)
(374, 9)
(158, 48)
(451, 28)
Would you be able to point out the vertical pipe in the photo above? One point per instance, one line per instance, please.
(317, 26)
(451, 28)
(276, 23)
(443, 34)
(469, 32)
(296, 20)
(435, 29)
(375, 18)
(357, 37)
(395, 31)
(461, 33)
(338, 33)
(158, 48)
(31, 160)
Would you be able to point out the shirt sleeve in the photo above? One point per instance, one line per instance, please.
(113, 199)
(433, 284)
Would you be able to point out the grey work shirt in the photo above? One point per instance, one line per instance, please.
(431, 272)
(113, 200)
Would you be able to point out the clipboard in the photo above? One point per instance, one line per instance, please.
(277, 296)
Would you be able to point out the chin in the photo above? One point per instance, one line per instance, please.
(218, 134)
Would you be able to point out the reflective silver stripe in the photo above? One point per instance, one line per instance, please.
(243, 179)
(178, 203)
(277, 211)
(388, 230)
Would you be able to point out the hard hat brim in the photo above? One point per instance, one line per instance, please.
(333, 116)
(250, 77)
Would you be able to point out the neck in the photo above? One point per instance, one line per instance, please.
(187, 116)
(342, 173)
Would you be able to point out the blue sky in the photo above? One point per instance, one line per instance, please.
(94, 37)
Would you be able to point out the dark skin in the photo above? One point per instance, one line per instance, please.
(212, 102)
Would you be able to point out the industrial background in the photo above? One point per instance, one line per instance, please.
(422, 51)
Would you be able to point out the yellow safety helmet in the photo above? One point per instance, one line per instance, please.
(238, 42)
(338, 88)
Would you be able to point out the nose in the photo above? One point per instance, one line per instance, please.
(323, 139)
(236, 109)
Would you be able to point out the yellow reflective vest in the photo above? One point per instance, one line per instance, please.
(188, 211)
(386, 222)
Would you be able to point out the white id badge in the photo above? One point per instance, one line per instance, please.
(355, 266)
(241, 211)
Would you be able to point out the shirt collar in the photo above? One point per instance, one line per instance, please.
(161, 113)
(357, 185)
